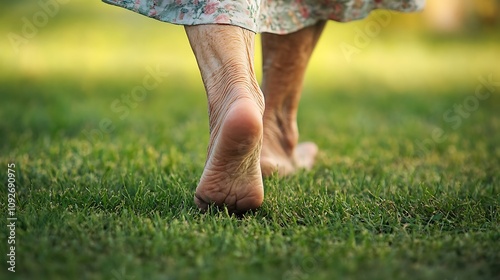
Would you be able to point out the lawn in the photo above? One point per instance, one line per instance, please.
(406, 185)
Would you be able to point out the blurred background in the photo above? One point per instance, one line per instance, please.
(93, 39)
(56, 55)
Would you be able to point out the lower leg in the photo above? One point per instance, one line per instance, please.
(285, 58)
(232, 175)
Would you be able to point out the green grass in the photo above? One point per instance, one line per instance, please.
(120, 204)
(374, 207)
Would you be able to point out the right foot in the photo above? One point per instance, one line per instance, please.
(285, 58)
(281, 152)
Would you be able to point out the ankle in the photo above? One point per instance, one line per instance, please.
(280, 135)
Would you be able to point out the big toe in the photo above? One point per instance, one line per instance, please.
(305, 154)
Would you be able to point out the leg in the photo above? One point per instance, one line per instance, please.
(285, 59)
(232, 175)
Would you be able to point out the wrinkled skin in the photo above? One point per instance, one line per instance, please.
(246, 140)
(285, 59)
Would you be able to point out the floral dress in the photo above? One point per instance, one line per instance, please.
(274, 16)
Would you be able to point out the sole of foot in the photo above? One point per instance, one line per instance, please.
(232, 176)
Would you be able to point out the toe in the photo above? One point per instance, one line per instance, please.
(305, 154)
(200, 202)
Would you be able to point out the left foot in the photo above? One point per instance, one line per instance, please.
(232, 176)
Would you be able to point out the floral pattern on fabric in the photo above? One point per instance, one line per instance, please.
(274, 16)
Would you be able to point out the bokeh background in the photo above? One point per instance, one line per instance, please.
(92, 40)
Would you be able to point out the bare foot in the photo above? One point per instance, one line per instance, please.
(280, 152)
(285, 58)
(305, 154)
(232, 175)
